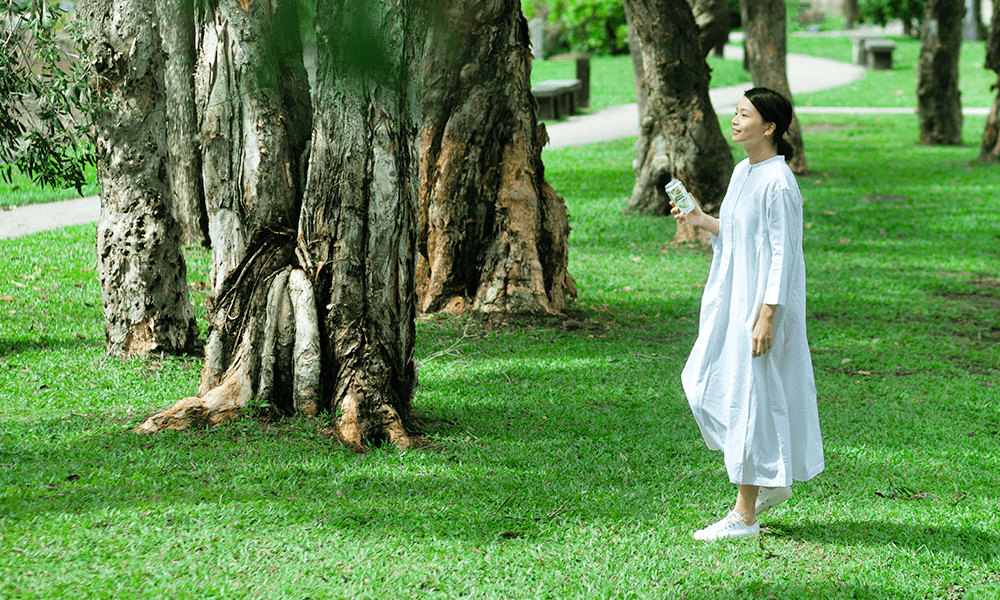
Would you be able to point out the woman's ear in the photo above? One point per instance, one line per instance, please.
(770, 128)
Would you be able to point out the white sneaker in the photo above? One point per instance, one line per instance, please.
(767, 499)
(732, 526)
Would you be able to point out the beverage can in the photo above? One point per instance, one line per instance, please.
(682, 199)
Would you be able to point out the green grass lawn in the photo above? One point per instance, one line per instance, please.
(564, 462)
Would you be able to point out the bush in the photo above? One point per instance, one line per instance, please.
(596, 26)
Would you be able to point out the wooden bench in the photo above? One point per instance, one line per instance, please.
(556, 98)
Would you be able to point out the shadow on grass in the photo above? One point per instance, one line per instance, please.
(969, 543)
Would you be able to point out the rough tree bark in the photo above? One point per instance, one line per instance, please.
(359, 219)
(252, 137)
(939, 104)
(139, 262)
(712, 17)
(177, 26)
(989, 150)
(492, 233)
(764, 31)
(313, 305)
(679, 132)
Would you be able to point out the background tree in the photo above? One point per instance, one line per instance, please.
(764, 30)
(881, 12)
(851, 13)
(939, 105)
(44, 95)
(680, 135)
(712, 17)
(492, 234)
(989, 150)
(142, 272)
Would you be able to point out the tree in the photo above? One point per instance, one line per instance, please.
(881, 12)
(492, 234)
(764, 31)
(313, 290)
(177, 26)
(939, 105)
(989, 150)
(44, 96)
(142, 272)
(679, 131)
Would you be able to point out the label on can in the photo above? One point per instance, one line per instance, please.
(682, 199)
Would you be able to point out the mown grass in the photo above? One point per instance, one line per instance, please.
(563, 460)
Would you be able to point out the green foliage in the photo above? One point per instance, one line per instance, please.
(881, 12)
(596, 26)
(44, 96)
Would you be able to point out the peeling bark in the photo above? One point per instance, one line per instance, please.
(142, 271)
(679, 131)
(939, 104)
(492, 233)
(989, 150)
(764, 29)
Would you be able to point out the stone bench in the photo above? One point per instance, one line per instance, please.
(880, 54)
(556, 98)
(872, 51)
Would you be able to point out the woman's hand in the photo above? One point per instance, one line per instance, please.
(696, 217)
(763, 330)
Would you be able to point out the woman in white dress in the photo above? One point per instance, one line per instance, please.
(749, 379)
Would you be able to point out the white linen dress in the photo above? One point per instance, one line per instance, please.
(761, 412)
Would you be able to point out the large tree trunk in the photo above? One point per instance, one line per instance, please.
(939, 104)
(254, 109)
(142, 271)
(764, 31)
(177, 26)
(989, 150)
(679, 132)
(313, 303)
(492, 233)
(359, 219)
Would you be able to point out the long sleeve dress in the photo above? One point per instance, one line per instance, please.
(761, 412)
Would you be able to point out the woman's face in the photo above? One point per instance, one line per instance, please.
(748, 126)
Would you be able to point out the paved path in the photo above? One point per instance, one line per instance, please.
(805, 74)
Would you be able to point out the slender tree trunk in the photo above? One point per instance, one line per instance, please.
(177, 25)
(989, 150)
(764, 30)
(850, 13)
(492, 233)
(142, 271)
(680, 135)
(939, 105)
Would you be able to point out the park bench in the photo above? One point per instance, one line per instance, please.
(556, 98)
(563, 97)
(872, 52)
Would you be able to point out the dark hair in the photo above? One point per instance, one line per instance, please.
(774, 108)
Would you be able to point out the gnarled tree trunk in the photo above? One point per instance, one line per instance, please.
(313, 289)
(254, 113)
(679, 131)
(764, 35)
(989, 150)
(142, 271)
(939, 104)
(492, 233)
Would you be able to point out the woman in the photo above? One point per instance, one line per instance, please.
(749, 379)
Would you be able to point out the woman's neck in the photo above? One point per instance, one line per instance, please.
(760, 152)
